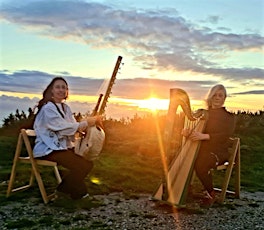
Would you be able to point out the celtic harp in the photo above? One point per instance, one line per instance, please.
(178, 171)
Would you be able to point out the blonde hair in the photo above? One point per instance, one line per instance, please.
(212, 92)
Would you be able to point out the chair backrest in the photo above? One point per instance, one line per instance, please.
(233, 151)
(234, 147)
(26, 133)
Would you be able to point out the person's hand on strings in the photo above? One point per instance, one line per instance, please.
(186, 132)
(198, 136)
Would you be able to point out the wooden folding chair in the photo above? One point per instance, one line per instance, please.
(233, 165)
(35, 172)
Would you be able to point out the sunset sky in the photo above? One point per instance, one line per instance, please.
(188, 44)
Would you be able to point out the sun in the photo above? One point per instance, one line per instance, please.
(153, 104)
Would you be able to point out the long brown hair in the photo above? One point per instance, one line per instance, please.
(47, 93)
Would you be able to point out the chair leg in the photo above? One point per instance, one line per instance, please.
(232, 161)
(57, 174)
(32, 177)
(35, 173)
(40, 182)
(13, 171)
(225, 183)
(237, 176)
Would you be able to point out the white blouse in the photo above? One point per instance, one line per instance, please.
(54, 132)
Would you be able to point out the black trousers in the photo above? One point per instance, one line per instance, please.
(204, 163)
(73, 182)
(209, 156)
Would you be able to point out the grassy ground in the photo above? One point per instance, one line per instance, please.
(131, 163)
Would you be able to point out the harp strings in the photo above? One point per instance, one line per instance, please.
(182, 122)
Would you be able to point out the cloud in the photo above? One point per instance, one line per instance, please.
(20, 81)
(123, 88)
(238, 74)
(214, 19)
(156, 39)
(10, 104)
(252, 92)
(126, 88)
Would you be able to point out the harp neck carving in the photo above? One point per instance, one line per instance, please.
(180, 97)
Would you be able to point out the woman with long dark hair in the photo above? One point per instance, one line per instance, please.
(55, 128)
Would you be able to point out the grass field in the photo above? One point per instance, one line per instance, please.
(131, 162)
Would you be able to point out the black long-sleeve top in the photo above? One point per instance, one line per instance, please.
(220, 126)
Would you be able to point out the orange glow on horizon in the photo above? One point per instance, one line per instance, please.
(153, 104)
(20, 95)
(83, 98)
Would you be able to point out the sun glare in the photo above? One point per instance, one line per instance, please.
(153, 104)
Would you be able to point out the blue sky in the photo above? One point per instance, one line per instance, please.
(186, 44)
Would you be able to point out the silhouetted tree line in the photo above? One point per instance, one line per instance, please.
(250, 123)
(14, 122)
(18, 118)
(246, 122)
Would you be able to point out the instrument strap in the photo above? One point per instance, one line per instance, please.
(59, 109)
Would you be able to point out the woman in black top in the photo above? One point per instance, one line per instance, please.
(214, 140)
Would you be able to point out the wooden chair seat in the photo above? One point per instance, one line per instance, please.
(26, 160)
(223, 166)
(23, 138)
